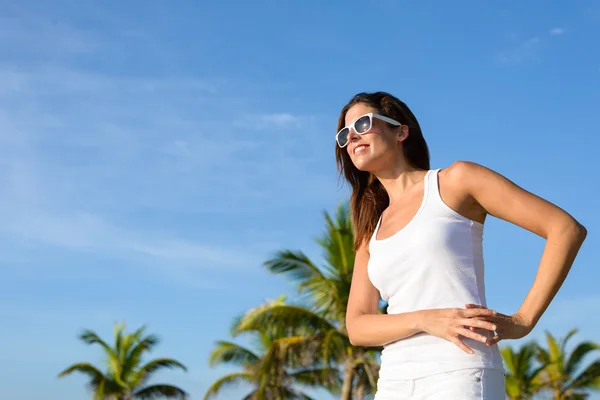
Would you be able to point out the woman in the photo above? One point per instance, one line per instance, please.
(419, 247)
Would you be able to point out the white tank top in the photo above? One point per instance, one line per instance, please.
(435, 261)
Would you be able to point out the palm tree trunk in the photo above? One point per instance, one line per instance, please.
(360, 392)
(348, 378)
(557, 394)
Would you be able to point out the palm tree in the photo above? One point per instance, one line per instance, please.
(522, 371)
(126, 378)
(275, 368)
(564, 375)
(326, 289)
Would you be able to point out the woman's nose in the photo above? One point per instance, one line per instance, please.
(352, 135)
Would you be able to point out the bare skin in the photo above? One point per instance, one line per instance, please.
(473, 191)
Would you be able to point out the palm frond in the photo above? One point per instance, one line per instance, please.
(291, 394)
(134, 354)
(118, 331)
(574, 361)
(522, 378)
(309, 278)
(90, 337)
(272, 367)
(328, 378)
(588, 379)
(84, 368)
(291, 316)
(144, 373)
(554, 351)
(295, 264)
(337, 243)
(565, 340)
(160, 391)
(99, 391)
(297, 351)
(333, 347)
(232, 353)
(253, 395)
(228, 380)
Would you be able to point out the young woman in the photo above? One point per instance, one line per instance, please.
(419, 247)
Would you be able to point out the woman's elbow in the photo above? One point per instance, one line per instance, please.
(569, 228)
(354, 341)
(576, 230)
(581, 232)
(352, 336)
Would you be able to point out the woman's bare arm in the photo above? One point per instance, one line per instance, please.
(503, 199)
(365, 326)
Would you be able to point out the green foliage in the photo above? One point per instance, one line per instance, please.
(522, 373)
(126, 377)
(320, 317)
(276, 368)
(551, 371)
(566, 376)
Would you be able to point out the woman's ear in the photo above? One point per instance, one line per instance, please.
(402, 133)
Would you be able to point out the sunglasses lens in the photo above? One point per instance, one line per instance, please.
(362, 124)
(342, 137)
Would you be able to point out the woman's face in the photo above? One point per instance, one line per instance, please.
(377, 147)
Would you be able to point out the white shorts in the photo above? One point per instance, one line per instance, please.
(464, 384)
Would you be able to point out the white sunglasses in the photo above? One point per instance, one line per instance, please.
(361, 125)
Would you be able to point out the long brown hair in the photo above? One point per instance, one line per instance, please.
(369, 198)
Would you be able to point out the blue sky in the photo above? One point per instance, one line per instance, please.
(153, 154)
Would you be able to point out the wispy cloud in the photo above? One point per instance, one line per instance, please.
(522, 50)
(27, 33)
(73, 177)
(272, 121)
(128, 165)
(525, 49)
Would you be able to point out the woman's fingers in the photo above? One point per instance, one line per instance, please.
(479, 312)
(493, 340)
(497, 315)
(478, 323)
(472, 335)
(460, 344)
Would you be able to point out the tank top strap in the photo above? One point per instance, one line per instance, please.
(432, 188)
(433, 181)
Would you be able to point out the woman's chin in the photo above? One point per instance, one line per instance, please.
(363, 164)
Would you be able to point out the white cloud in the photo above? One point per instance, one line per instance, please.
(280, 119)
(520, 51)
(524, 49)
(83, 154)
(139, 167)
(84, 232)
(274, 121)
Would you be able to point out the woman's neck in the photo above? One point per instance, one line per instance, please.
(396, 181)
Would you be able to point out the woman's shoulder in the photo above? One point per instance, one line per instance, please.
(462, 171)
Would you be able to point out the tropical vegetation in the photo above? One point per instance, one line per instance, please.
(284, 350)
(278, 365)
(320, 338)
(125, 377)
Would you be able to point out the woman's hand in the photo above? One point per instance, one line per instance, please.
(451, 323)
(507, 326)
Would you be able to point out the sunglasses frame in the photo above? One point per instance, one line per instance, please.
(371, 116)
